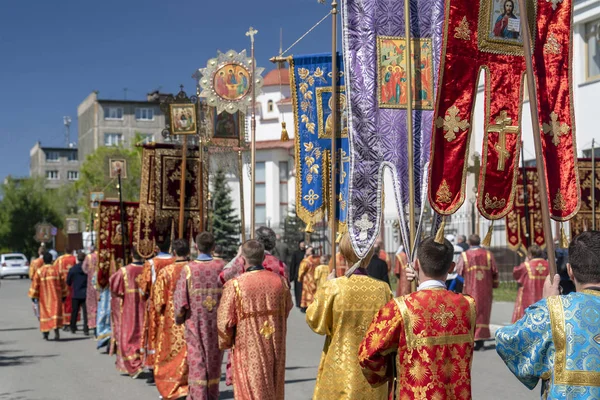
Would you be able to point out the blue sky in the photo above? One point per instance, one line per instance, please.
(54, 53)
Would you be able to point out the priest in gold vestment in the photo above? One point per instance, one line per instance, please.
(252, 320)
(342, 310)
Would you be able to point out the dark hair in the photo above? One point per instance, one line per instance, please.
(205, 242)
(47, 257)
(135, 254)
(584, 257)
(218, 249)
(181, 248)
(535, 251)
(80, 256)
(254, 252)
(164, 246)
(435, 259)
(376, 250)
(474, 240)
(267, 237)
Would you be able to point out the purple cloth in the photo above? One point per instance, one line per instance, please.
(378, 136)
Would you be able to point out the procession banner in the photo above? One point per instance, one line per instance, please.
(375, 55)
(311, 87)
(487, 36)
(583, 219)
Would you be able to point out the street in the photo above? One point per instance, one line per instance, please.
(73, 369)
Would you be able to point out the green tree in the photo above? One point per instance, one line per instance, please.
(225, 224)
(25, 203)
(293, 229)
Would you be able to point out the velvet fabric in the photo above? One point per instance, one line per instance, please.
(517, 223)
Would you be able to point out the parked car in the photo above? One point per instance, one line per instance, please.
(14, 264)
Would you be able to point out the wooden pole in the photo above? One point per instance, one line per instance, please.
(242, 211)
(182, 186)
(537, 140)
(593, 185)
(409, 130)
(124, 229)
(525, 200)
(334, 111)
(251, 32)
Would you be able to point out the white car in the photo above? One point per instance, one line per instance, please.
(14, 264)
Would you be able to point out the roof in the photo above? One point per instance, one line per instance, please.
(273, 77)
(287, 100)
(274, 144)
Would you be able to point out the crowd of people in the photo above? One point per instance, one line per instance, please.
(173, 317)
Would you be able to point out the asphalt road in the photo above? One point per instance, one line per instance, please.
(32, 369)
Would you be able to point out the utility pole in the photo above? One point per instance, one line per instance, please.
(67, 123)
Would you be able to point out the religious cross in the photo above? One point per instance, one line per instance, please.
(363, 225)
(502, 128)
(452, 123)
(251, 32)
(209, 303)
(344, 159)
(442, 316)
(540, 269)
(267, 330)
(555, 128)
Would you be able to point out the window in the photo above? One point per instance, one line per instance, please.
(592, 41)
(146, 138)
(113, 139)
(72, 156)
(270, 106)
(144, 114)
(260, 211)
(283, 189)
(52, 156)
(52, 175)
(113, 113)
(72, 175)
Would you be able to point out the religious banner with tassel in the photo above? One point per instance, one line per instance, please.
(375, 53)
(583, 219)
(487, 35)
(526, 216)
(310, 82)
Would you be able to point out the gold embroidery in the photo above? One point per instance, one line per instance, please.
(502, 127)
(312, 155)
(443, 316)
(462, 31)
(209, 303)
(267, 330)
(479, 275)
(443, 195)
(555, 128)
(552, 46)
(324, 124)
(203, 382)
(452, 123)
(311, 197)
(597, 338)
(559, 203)
(494, 203)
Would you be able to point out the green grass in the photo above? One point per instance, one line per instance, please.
(506, 292)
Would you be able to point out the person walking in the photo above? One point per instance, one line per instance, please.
(77, 280)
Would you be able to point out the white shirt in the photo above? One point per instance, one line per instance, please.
(431, 284)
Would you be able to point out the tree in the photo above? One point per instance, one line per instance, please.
(24, 204)
(225, 224)
(293, 229)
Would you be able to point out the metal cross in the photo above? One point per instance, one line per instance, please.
(251, 32)
(363, 225)
(502, 127)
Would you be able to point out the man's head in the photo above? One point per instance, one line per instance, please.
(474, 240)
(267, 237)
(310, 251)
(535, 251)
(163, 247)
(324, 259)
(135, 255)
(461, 239)
(376, 249)
(80, 256)
(253, 252)
(47, 256)
(509, 7)
(302, 245)
(180, 248)
(205, 242)
(435, 260)
(584, 258)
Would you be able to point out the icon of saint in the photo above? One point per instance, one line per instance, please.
(501, 26)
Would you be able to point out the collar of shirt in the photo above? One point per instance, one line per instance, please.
(255, 268)
(164, 255)
(431, 284)
(204, 257)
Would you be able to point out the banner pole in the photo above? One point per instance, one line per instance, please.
(334, 117)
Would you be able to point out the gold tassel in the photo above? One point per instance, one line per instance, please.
(339, 237)
(309, 228)
(487, 241)
(564, 241)
(439, 236)
(284, 133)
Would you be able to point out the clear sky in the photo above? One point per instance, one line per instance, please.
(54, 53)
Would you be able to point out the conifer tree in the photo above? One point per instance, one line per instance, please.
(225, 224)
(293, 229)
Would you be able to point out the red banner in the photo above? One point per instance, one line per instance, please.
(583, 219)
(525, 219)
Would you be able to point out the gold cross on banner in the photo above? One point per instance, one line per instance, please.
(555, 128)
(502, 127)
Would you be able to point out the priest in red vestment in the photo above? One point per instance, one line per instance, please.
(146, 281)
(48, 289)
(124, 287)
(306, 275)
(427, 334)
(90, 266)
(37, 263)
(478, 268)
(64, 264)
(197, 298)
(170, 361)
(341, 265)
(530, 276)
(403, 287)
(252, 320)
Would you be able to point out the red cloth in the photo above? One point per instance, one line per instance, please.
(471, 46)
(478, 267)
(64, 264)
(429, 336)
(341, 265)
(123, 286)
(530, 276)
(403, 287)
(197, 298)
(49, 287)
(90, 266)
